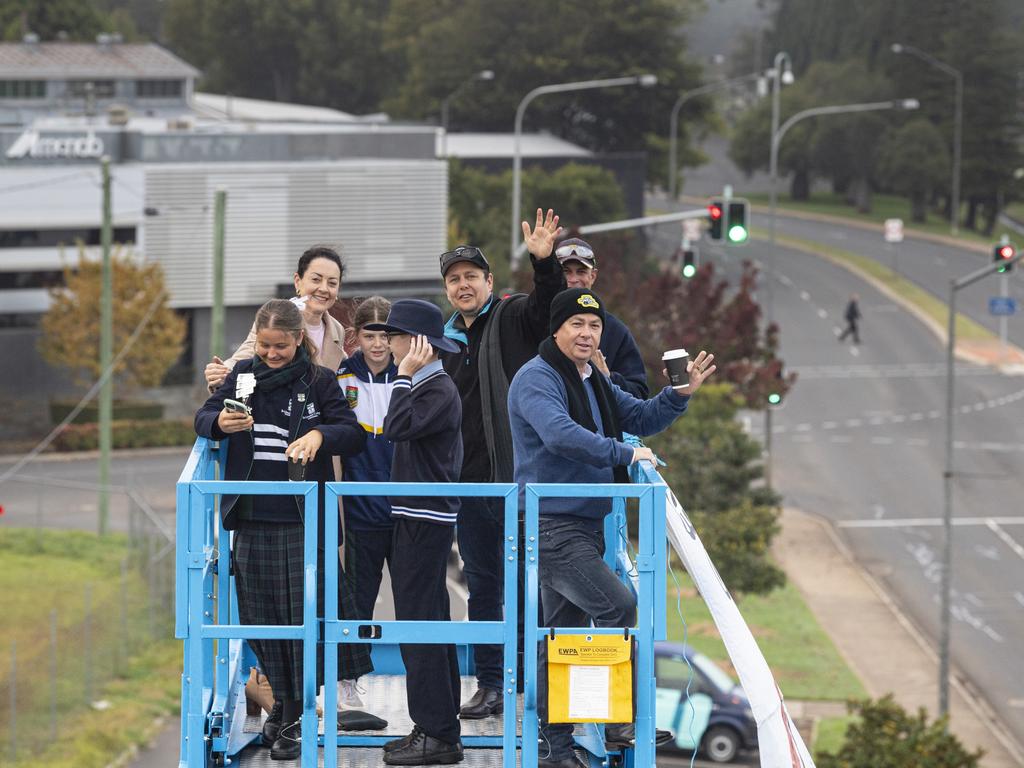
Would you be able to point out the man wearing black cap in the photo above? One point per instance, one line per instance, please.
(567, 423)
(496, 336)
(424, 422)
(618, 357)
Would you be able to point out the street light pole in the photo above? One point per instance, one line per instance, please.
(483, 74)
(781, 60)
(946, 584)
(958, 121)
(673, 122)
(644, 80)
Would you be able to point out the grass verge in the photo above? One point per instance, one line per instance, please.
(88, 654)
(883, 207)
(803, 659)
(831, 734)
(931, 306)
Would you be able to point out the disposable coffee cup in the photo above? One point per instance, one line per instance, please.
(675, 363)
(296, 469)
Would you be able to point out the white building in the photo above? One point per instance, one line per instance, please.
(295, 175)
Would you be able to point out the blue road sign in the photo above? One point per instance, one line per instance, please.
(1002, 305)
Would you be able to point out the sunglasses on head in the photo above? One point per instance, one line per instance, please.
(462, 252)
(574, 249)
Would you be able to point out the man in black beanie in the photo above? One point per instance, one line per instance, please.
(567, 423)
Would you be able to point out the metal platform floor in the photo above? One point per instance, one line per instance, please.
(385, 697)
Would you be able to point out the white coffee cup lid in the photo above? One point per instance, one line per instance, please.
(672, 354)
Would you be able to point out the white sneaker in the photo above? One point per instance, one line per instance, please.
(349, 695)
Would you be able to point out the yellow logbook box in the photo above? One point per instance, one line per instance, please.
(590, 679)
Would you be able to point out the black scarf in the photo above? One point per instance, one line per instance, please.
(579, 403)
(269, 379)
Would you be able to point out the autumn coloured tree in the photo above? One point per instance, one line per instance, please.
(71, 327)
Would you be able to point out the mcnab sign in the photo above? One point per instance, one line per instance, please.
(33, 145)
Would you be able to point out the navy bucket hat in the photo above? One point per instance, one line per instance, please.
(417, 318)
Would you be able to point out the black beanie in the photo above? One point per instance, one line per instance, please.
(574, 301)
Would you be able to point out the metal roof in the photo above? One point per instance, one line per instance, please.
(40, 61)
(55, 197)
(221, 107)
(491, 145)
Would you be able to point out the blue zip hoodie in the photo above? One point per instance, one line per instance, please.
(368, 395)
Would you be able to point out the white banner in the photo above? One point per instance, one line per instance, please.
(779, 743)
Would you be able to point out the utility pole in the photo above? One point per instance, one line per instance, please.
(106, 352)
(217, 310)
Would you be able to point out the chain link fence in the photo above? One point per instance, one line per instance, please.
(70, 644)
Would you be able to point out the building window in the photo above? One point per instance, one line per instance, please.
(101, 89)
(22, 89)
(159, 89)
(51, 238)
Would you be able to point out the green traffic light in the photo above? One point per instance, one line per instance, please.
(689, 270)
(737, 234)
(774, 398)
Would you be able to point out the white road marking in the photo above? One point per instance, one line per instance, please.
(1007, 539)
(805, 295)
(989, 553)
(1019, 598)
(853, 422)
(822, 314)
(932, 522)
(879, 511)
(916, 416)
(855, 351)
(974, 600)
(840, 439)
(881, 440)
(785, 281)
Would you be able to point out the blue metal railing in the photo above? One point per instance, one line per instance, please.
(216, 657)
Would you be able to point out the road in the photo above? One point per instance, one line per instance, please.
(860, 440)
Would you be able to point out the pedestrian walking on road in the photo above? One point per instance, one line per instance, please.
(852, 315)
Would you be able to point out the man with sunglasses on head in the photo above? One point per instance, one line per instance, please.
(618, 357)
(496, 337)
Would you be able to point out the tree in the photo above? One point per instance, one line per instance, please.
(712, 463)
(71, 328)
(324, 52)
(700, 313)
(47, 18)
(528, 43)
(914, 161)
(479, 203)
(884, 735)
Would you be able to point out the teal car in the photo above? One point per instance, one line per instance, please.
(715, 718)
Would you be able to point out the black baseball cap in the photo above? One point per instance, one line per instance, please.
(468, 253)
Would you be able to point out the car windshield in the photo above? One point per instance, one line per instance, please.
(713, 672)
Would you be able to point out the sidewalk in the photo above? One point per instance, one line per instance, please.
(878, 642)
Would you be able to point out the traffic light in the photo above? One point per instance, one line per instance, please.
(736, 222)
(716, 221)
(689, 263)
(1004, 252)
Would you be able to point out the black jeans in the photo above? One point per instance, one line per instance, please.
(419, 583)
(577, 587)
(481, 530)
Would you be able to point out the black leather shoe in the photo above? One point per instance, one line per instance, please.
(424, 750)
(272, 725)
(569, 762)
(622, 735)
(289, 743)
(485, 702)
(401, 742)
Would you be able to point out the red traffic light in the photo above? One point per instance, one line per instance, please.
(715, 211)
(1006, 252)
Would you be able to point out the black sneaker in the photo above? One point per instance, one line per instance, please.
(424, 750)
(272, 725)
(289, 743)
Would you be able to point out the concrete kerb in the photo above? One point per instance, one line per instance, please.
(823, 574)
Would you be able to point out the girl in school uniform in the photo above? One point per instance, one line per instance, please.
(366, 380)
(298, 413)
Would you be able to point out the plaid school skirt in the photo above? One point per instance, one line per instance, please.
(268, 565)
